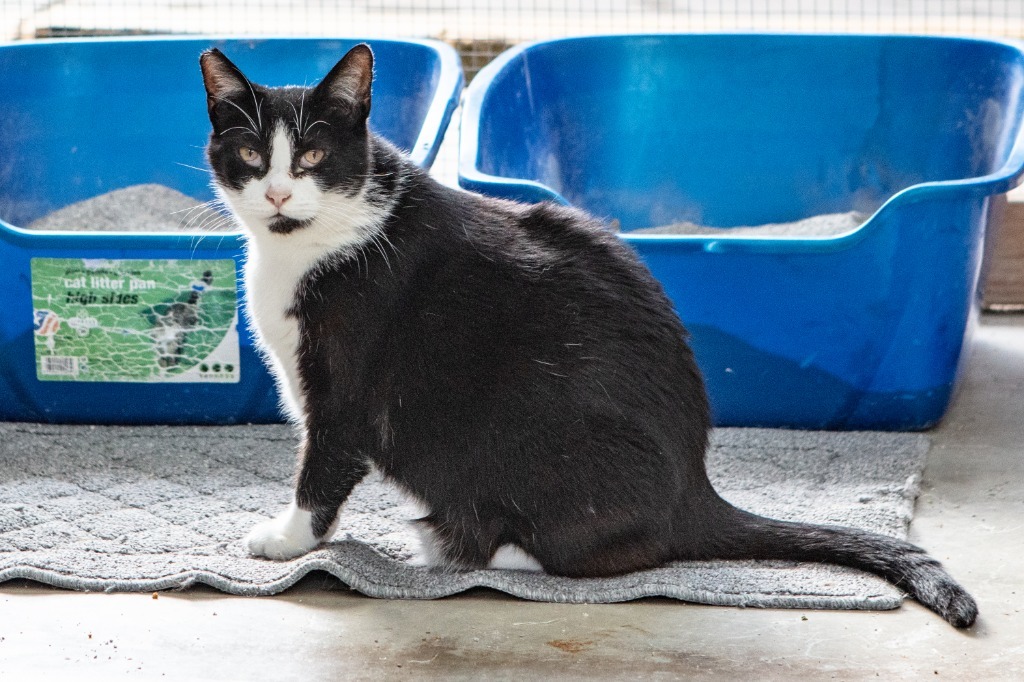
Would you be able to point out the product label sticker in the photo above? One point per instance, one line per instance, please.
(146, 321)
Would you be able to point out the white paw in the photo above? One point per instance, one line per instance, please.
(429, 554)
(418, 561)
(286, 536)
(514, 558)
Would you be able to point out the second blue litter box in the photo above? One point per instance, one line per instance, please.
(79, 118)
(862, 330)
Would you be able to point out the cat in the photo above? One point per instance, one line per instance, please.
(513, 367)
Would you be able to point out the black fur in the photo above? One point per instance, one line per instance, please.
(518, 369)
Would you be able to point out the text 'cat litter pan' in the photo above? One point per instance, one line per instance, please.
(125, 327)
(860, 330)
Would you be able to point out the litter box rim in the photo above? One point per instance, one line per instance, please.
(470, 177)
(436, 121)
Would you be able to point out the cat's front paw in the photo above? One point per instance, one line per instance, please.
(288, 535)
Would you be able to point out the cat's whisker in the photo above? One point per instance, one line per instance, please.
(376, 242)
(202, 213)
(310, 126)
(192, 213)
(382, 235)
(259, 114)
(244, 113)
(204, 233)
(197, 168)
(194, 222)
(341, 216)
(242, 128)
(359, 256)
(216, 206)
(191, 209)
(202, 217)
(221, 225)
(209, 223)
(346, 215)
(195, 243)
(214, 224)
(295, 117)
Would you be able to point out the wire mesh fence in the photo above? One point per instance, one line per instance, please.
(480, 29)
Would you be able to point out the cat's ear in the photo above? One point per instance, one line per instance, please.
(350, 80)
(222, 78)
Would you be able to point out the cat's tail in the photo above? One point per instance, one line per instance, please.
(736, 534)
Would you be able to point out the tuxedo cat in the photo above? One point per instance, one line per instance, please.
(514, 368)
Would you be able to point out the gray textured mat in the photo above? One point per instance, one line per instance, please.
(151, 508)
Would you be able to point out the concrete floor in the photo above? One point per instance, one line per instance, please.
(970, 515)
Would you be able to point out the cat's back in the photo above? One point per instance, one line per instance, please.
(515, 289)
(533, 238)
(555, 256)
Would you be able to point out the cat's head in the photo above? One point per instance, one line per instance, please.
(290, 158)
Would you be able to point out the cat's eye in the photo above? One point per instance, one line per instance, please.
(250, 156)
(311, 158)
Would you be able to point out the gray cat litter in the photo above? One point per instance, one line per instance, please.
(138, 208)
(827, 225)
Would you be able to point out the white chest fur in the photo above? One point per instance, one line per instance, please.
(277, 263)
(275, 267)
(271, 283)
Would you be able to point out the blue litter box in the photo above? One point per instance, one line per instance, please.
(861, 330)
(93, 325)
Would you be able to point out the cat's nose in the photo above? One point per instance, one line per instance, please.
(278, 195)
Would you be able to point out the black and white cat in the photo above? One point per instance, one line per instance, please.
(512, 367)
